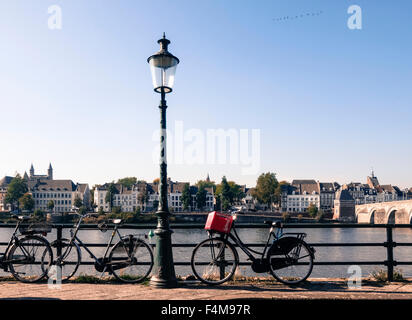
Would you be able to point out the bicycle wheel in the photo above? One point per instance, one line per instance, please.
(30, 258)
(131, 260)
(214, 261)
(291, 265)
(69, 260)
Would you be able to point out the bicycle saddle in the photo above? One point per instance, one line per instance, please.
(276, 224)
(21, 218)
(117, 221)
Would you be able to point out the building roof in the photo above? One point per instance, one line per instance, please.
(308, 186)
(4, 182)
(344, 194)
(52, 185)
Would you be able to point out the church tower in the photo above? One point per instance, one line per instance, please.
(31, 171)
(50, 172)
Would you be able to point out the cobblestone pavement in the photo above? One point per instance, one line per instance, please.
(314, 289)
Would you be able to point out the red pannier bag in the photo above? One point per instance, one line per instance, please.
(219, 222)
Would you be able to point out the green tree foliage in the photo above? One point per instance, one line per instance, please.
(227, 193)
(278, 191)
(50, 205)
(16, 189)
(111, 191)
(39, 214)
(26, 202)
(186, 197)
(155, 205)
(78, 202)
(127, 182)
(116, 210)
(201, 197)
(266, 186)
(206, 184)
(143, 196)
(313, 210)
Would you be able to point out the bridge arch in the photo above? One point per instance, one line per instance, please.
(410, 216)
(371, 215)
(390, 218)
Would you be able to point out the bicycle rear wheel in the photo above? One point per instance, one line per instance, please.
(292, 265)
(131, 260)
(214, 261)
(30, 258)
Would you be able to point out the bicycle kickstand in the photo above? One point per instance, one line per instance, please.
(104, 270)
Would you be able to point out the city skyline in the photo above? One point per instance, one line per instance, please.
(209, 175)
(330, 103)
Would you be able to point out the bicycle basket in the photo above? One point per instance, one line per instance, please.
(219, 222)
(35, 228)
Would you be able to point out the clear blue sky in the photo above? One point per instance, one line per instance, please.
(330, 102)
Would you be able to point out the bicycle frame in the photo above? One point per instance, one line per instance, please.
(276, 236)
(75, 239)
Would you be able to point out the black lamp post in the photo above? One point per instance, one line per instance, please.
(163, 67)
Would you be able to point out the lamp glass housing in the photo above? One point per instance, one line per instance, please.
(163, 68)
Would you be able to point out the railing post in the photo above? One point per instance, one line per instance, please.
(59, 240)
(389, 247)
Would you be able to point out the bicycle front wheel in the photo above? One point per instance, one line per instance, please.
(214, 261)
(131, 260)
(69, 260)
(30, 258)
(292, 265)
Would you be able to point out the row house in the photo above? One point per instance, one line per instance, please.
(146, 196)
(298, 196)
(63, 193)
(4, 183)
(43, 188)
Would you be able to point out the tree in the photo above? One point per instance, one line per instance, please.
(206, 184)
(127, 182)
(143, 196)
(26, 202)
(78, 201)
(111, 191)
(201, 197)
(50, 205)
(155, 204)
(117, 210)
(313, 210)
(186, 197)
(227, 193)
(236, 193)
(265, 189)
(16, 189)
(278, 192)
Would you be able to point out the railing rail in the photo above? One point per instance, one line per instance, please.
(389, 244)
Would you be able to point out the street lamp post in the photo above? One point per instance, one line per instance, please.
(163, 67)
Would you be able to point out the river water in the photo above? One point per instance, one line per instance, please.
(331, 235)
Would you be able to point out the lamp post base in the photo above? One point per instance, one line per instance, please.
(163, 271)
(155, 282)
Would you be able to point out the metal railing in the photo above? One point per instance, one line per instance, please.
(389, 244)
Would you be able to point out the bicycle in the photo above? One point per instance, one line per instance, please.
(22, 256)
(129, 260)
(214, 261)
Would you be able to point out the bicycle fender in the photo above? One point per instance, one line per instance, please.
(283, 246)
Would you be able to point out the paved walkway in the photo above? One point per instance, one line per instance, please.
(315, 289)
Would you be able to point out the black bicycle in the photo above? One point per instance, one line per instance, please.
(129, 260)
(288, 258)
(28, 255)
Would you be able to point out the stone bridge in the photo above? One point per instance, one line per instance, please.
(398, 212)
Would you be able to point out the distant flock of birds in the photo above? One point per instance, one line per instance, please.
(303, 15)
